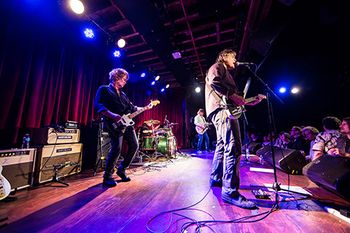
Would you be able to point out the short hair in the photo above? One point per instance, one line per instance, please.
(200, 110)
(224, 53)
(117, 74)
(331, 122)
(297, 128)
(313, 130)
(347, 120)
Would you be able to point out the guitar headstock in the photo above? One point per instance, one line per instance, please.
(153, 103)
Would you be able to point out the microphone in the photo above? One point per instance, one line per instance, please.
(243, 63)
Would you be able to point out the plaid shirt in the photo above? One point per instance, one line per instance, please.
(326, 140)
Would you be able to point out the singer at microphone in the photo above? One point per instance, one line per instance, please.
(242, 63)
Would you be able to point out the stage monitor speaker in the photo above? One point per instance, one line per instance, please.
(64, 159)
(18, 166)
(330, 172)
(289, 160)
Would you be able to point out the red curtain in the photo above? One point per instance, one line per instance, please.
(43, 84)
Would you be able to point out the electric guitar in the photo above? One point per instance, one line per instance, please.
(235, 112)
(126, 120)
(5, 187)
(203, 129)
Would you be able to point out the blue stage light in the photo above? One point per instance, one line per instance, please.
(89, 33)
(282, 90)
(153, 83)
(162, 90)
(117, 53)
(143, 74)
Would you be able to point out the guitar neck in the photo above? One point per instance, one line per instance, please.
(251, 99)
(134, 114)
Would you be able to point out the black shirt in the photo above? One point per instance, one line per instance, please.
(107, 98)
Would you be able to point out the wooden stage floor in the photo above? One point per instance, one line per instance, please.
(87, 206)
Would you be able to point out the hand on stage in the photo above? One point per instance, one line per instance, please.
(336, 152)
(238, 100)
(116, 117)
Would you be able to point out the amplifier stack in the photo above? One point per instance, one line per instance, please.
(18, 166)
(59, 153)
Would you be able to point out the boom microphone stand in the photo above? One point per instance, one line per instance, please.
(275, 186)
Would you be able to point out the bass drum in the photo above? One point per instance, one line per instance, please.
(149, 143)
(166, 145)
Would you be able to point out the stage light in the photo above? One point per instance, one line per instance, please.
(197, 90)
(89, 33)
(143, 74)
(121, 43)
(117, 53)
(162, 90)
(153, 83)
(76, 6)
(167, 86)
(295, 90)
(282, 90)
(157, 78)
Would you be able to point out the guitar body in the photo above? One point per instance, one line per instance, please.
(201, 130)
(126, 120)
(5, 187)
(235, 112)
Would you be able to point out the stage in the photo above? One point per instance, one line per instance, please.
(86, 206)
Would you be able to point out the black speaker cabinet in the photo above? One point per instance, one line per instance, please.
(289, 160)
(58, 160)
(18, 166)
(330, 172)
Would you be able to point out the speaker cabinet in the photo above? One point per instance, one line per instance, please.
(288, 160)
(18, 166)
(43, 136)
(330, 172)
(58, 160)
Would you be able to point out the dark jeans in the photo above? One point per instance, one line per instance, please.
(116, 142)
(200, 141)
(226, 159)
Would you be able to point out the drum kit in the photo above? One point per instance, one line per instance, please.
(156, 141)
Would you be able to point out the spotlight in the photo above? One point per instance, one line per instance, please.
(282, 90)
(76, 6)
(167, 86)
(121, 43)
(295, 90)
(143, 74)
(197, 90)
(117, 53)
(162, 90)
(157, 78)
(89, 33)
(153, 83)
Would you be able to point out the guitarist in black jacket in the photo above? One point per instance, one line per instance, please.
(111, 103)
(219, 84)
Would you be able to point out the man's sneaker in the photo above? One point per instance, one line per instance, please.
(109, 182)
(239, 201)
(122, 175)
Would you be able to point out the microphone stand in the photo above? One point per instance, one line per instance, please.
(271, 121)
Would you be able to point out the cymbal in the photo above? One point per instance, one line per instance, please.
(152, 122)
(147, 131)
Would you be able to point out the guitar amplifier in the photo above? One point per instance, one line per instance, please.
(43, 136)
(58, 160)
(18, 166)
